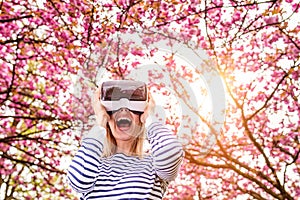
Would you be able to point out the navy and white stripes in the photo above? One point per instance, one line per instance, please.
(121, 176)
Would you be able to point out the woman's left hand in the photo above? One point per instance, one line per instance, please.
(101, 115)
(149, 108)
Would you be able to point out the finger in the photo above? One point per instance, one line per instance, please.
(151, 100)
(96, 96)
(149, 108)
(143, 117)
(145, 114)
(97, 93)
(149, 96)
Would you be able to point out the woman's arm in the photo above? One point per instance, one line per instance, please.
(166, 150)
(84, 167)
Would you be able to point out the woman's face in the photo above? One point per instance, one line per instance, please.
(124, 124)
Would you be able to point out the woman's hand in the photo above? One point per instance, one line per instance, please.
(101, 115)
(149, 108)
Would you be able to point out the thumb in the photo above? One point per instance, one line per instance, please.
(149, 108)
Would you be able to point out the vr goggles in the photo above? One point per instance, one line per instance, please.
(124, 93)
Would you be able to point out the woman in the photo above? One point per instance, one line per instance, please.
(111, 163)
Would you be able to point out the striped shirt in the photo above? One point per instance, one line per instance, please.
(125, 177)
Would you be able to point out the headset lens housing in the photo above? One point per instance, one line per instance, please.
(124, 93)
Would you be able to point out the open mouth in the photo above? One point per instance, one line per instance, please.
(123, 123)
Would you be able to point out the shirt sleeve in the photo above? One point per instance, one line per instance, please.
(166, 150)
(84, 168)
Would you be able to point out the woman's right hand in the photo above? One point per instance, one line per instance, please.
(149, 108)
(101, 115)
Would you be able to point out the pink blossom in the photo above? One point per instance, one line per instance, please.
(271, 20)
(137, 52)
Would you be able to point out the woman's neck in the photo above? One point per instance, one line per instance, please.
(124, 146)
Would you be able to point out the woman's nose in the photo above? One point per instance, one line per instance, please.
(123, 109)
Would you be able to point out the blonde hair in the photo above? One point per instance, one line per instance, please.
(137, 148)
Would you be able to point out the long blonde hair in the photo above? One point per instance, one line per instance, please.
(137, 148)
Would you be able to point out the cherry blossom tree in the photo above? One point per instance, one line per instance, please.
(39, 52)
(47, 46)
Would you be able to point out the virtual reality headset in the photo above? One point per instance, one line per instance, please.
(124, 94)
